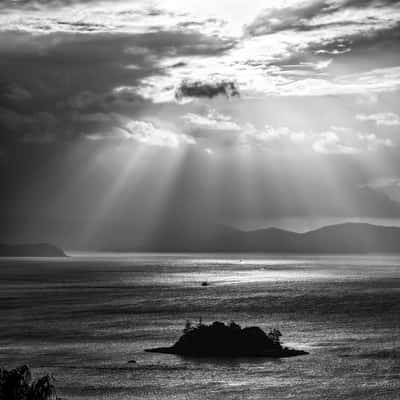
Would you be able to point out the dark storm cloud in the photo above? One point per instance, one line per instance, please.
(13, 93)
(38, 4)
(209, 90)
(85, 74)
(39, 127)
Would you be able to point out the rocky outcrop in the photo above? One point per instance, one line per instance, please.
(17, 384)
(220, 340)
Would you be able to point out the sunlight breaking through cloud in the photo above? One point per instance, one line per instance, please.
(232, 110)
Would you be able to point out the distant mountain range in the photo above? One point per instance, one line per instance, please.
(30, 250)
(341, 238)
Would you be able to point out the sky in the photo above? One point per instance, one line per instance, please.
(121, 121)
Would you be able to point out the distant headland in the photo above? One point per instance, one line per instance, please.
(231, 340)
(341, 238)
(31, 250)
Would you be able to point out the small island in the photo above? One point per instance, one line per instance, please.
(31, 250)
(221, 340)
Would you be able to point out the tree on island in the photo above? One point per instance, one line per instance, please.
(275, 336)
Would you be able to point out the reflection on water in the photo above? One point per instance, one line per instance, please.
(84, 317)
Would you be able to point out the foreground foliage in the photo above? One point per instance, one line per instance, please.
(17, 384)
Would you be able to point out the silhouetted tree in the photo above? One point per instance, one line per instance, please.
(233, 325)
(16, 385)
(43, 389)
(275, 336)
(188, 327)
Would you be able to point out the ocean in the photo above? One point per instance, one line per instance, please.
(84, 317)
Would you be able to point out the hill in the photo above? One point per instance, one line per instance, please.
(31, 250)
(341, 238)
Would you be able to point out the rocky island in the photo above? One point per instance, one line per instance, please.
(221, 340)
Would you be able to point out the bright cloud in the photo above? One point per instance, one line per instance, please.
(213, 129)
(143, 132)
(212, 121)
(340, 140)
(147, 133)
(388, 118)
(251, 54)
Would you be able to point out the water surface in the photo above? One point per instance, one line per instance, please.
(82, 318)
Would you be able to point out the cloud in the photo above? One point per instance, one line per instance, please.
(289, 17)
(373, 142)
(275, 138)
(213, 121)
(14, 93)
(100, 62)
(382, 183)
(312, 15)
(339, 140)
(364, 83)
(144, 132)
(389, 186)
(160, 53)
(98, 17)
(148, 133)
(41, 127)
(347, 31)
(336, 140)
(199, 89)
(213, 130)
(330, 143)
(71, 76)
(387, 118)
(114, 99)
